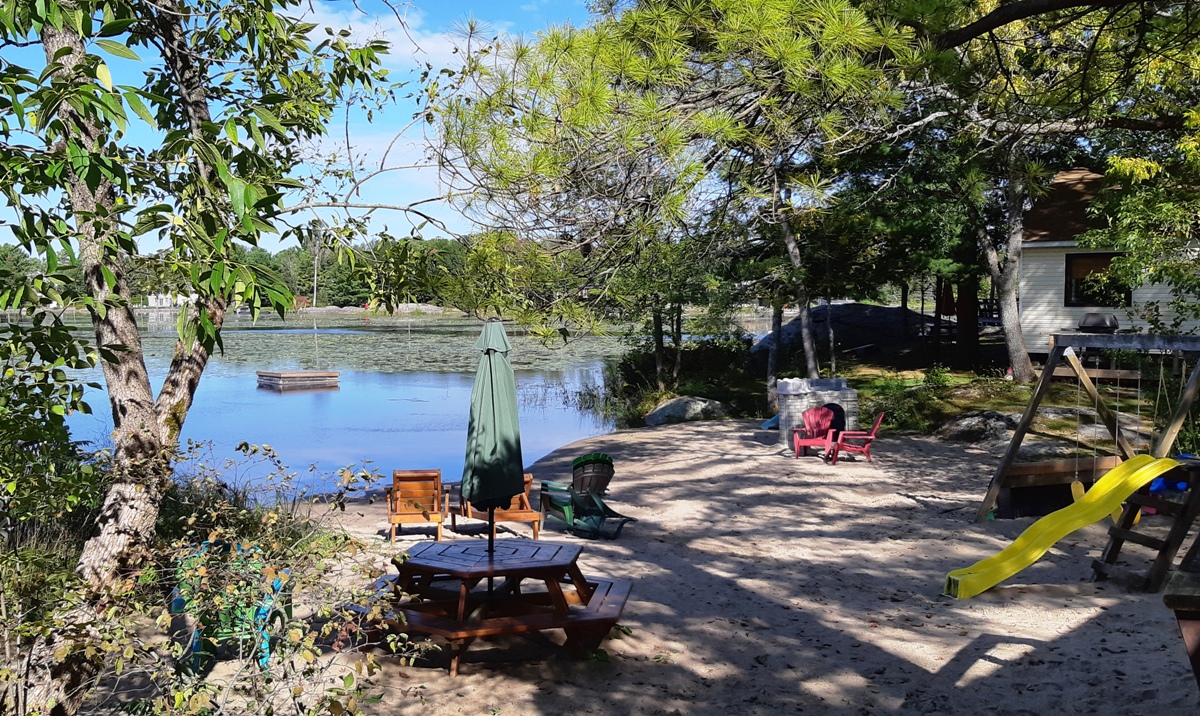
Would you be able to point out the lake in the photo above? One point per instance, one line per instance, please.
(403, 400)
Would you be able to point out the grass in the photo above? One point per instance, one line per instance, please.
(914, 403)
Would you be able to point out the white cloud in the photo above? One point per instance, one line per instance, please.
(413, 44)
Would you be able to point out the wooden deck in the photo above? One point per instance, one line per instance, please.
(297, 380)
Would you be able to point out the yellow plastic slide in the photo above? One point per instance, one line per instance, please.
(1106, 495)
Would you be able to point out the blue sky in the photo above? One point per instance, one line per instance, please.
(423, 32)
(427, 35)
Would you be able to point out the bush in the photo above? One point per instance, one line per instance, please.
(716, 368)
(909, 406)
(937, 377)
(257, 572)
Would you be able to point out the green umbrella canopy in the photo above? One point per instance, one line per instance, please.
(493, 472)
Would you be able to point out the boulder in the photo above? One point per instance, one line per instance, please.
(685, 408)
(979, 426)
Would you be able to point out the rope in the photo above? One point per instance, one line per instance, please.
(1117, 420)
(1139, 404)
(1078, 423)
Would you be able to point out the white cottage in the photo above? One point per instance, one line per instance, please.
(1054, 293)
(169, 300)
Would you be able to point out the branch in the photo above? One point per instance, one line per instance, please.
(1075, 126)
(1013, 12)
(408, 209)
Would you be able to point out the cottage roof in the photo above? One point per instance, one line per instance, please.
(1062, 214)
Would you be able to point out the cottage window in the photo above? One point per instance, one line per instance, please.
(1080, 291)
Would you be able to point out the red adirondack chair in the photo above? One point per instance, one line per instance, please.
(856, 441)
(817, 431)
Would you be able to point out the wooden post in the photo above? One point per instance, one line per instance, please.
(1167, 437)
(1110, 420)
(1010, 456)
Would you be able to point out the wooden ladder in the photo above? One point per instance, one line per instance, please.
(1182, 511)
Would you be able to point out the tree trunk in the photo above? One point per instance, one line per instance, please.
(58, 669)
(793, 250)
(922, 306)
(967, 353)
(677, 339)
(832, 341)
(1006, 275)
(773, 354)
(813, 368)
(904, 322)
(659, 349)
(938, 291)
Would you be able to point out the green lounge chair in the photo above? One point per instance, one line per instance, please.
(584, 513)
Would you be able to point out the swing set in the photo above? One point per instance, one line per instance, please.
(1063, 347)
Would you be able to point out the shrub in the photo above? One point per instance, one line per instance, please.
(908, 406)
(936, 377)
(257, 572)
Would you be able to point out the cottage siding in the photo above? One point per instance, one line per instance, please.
(1043, 286)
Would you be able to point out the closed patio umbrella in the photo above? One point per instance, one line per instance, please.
(493, 472)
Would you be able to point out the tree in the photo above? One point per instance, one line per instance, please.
(344, 284)
(592, 140)
(295, 266)
(1031, 78)
(200, 156)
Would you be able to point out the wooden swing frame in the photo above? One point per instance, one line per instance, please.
(1062, 346)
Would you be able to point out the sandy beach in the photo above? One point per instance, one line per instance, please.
(765, 584)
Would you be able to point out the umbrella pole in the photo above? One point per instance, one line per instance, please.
(491, 532)
(491, 542)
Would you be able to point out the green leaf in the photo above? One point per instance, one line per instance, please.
(217, 277)
(139, 108)
(115, 27)
(237, 195)
(104, 76)
(269, 119)
(110, 279)
(118, 49)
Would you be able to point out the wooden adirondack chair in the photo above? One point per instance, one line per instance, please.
(817, 431)
(856, 441)
(415, 497)
(520, 511)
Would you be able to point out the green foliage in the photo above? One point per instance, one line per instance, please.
(716, 368)
(908, 406)
(35, 570)
(603, 145)
(43, 473)
(204, 185)
(225, 549)
(937, 377)
(1151, 220)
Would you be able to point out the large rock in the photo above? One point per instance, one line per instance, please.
(979, 426)
(685, 408)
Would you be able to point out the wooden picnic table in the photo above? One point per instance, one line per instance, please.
(441, 591)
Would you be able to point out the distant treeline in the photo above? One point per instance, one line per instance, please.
(338, 283)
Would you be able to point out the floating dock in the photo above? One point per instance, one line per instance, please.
(297, 380)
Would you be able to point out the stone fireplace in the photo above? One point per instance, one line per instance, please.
(799, 394)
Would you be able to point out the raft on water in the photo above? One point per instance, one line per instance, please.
(297, 379)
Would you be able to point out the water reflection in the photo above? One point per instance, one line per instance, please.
(403, 400)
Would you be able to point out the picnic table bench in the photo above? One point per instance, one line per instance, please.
(443, 581)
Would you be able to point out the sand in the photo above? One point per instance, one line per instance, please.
(765, 584)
